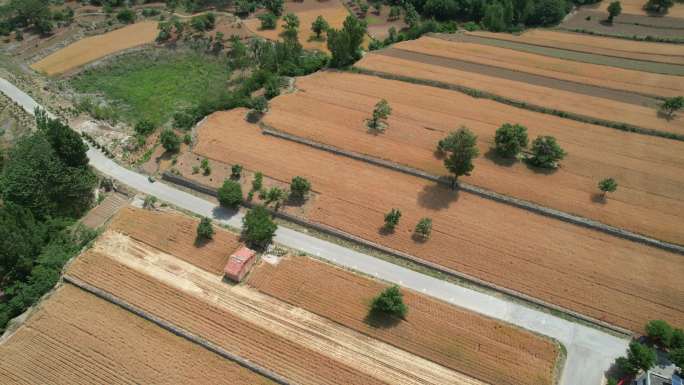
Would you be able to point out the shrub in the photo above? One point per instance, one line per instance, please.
(546, 152)
(319, 26)
(187, 139)
(204, 229)
(230, 194)
(235, 172)
(299, 187)
(677, 340)
(268, 20)
(671, 105)
(510, 139)
(274, 194)
(126, 16)
(258, 227)
(390, 302)
(258, 181)
(170, 141)
(677, 357)
(144, 127)
(424, 228)
(392, 219)
(205, 166)
(607, 185)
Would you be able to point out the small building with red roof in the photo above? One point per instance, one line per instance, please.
(239, 263)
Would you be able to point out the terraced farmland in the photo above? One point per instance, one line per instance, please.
(483, 348)
(605, 277)
(77, 338)
(92, 48)
(331, 107)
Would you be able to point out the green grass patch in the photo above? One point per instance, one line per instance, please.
(374, 20)
(154, 84)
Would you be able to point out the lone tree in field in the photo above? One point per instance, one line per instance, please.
(382, 111)
(460, 148)
(230, 194)
(546, 153)
(390, 302)
(510, 139)
(268, 20)
(291, 26)
(671, 105)
(424, 228)
(205, 230)
(258, 227)
(170, 141)
(614, 9)
(392, 219)
(607, 185)
(319, 26)
(299, 187)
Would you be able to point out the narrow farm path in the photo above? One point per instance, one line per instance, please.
(589, 351)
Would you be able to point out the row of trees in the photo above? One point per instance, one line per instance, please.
(45, 185)
(422, 230)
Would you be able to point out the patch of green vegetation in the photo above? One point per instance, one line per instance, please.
(153, 84)
(373, 20)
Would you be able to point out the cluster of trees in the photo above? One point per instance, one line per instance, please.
(423, 228)
(511, 139)
(16, 15)
(640, 356)
(45, 185)
(658, 6)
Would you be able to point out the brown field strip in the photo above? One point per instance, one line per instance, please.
(105, 210)
(573, 71)
(467, 342)
(76, 338)
(175, 234)
(608, 278)
(637, 50)
(331, 107)
(308, 10)
(92, 48)
(589, 106)
(636, 7)
(219, 326)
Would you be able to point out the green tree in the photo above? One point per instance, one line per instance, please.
(274, 195)
(381, 112)
(275, 6)
(319, 26)
(230, 194)
(607, 185)
(268, 20)
(170, 141)
(677, 357)
(641, 356)
(677, 340)
(66, 142)
(258, 181)
(658, 6)
(235, 171)
(260, 105)
(204, 165)
(460, 148)
(411, 17)
(126, 16)
(258, 227)
(205, 230)
(390, 302)
(494, 17)
(510, 139)
(237, 56)
(394, 13)
(546, 152)
(547, 12)
(144, 127)
(671, 105)
(345, 44)
(659, 332)
(291, 26)
(392, 219)
(424, 228)
(299, 187)
(614, 9)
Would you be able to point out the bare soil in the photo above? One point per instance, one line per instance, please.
(77, 338)
(608, 278)
(105, 210)
(483, 348)
(175, 234)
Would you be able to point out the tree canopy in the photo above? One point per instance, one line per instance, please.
(230, 194)
(390, 302)
(258, 227)
(546, 152)
(345, 44)
(460, 148)
(510, 139)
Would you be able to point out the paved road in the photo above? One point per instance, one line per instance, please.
(590, 351)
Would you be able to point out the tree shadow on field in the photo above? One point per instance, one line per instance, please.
(498, 159)
(384, 230)
(437, 197)
(598, 198)
(381, 320)
(201, 242)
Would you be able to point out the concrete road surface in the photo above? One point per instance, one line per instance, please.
(590, 351)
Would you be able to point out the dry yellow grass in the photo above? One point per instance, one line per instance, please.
(92, 48)
(332, 11)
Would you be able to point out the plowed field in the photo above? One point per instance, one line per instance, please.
(308, 10)
(483, 348)
(92, 48)
(605, 277)
(573, 71)
(639, 50)
(77, 338)
(636, 7)
(219, 326)
(582, 104)
(175, 234)
(330, 108)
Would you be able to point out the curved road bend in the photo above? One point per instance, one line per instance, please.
(590, 351)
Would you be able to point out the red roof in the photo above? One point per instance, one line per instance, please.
(237, 262)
